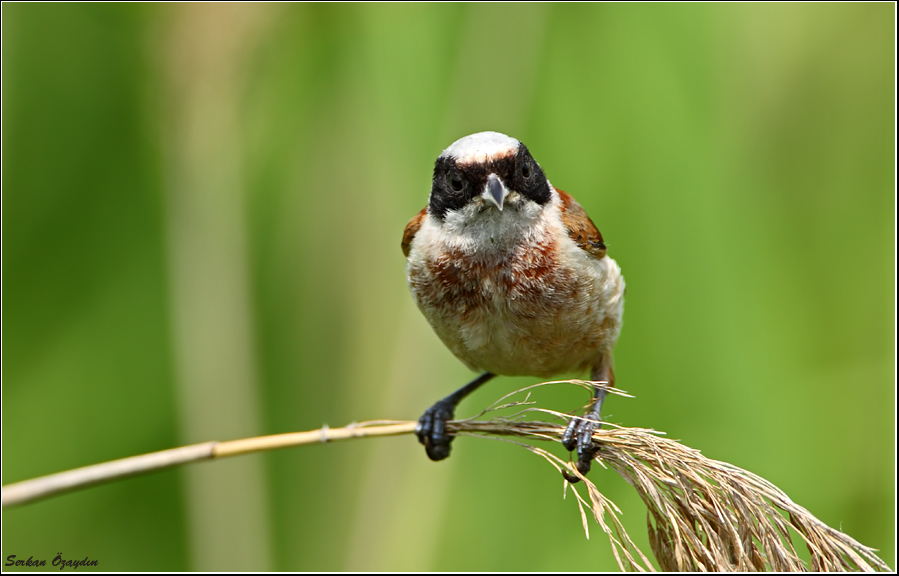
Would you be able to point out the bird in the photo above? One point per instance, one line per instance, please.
(513, 277)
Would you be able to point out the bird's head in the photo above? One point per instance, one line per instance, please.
(483, 176)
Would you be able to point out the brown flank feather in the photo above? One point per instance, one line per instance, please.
(580, 228)
(411, 230)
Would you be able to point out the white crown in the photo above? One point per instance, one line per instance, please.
(481, 146)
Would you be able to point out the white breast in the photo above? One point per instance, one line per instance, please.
(510, 293)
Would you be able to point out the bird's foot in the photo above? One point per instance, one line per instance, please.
(579, 434)
(431, 429)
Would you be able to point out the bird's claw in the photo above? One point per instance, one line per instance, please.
(579, 434)
(582, 465)
(431, 430)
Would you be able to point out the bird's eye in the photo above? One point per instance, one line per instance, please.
(526, 170)
(456, 183)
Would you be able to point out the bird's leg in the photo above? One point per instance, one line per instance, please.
(579, 432)
(431, 429)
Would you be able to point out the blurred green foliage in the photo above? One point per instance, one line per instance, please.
(739, 160)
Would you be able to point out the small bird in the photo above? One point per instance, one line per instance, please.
(513, 276)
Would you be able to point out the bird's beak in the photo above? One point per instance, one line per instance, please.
(495, 191)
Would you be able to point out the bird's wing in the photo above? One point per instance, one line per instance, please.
(412, 229)
(580, 228)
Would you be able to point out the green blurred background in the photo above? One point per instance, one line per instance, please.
(202, 209)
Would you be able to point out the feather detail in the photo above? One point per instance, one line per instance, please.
(411, 230)
(580, 228)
